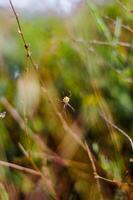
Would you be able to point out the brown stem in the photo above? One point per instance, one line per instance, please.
(20, 168)
(94, 170)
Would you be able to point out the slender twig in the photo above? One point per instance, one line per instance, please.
(23, 150)
(118, 129)
(94, 170)
(20, 168)
(126, 27)
(28, 156)
(97, 42)
(98, 177)
(12, 111)
(118, 183)
(26, 45)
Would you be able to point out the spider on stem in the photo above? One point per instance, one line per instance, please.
(66, 100)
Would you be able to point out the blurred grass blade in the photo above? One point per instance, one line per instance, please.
(117, 32)
(115, 53)
(99, 21)
(3, 193)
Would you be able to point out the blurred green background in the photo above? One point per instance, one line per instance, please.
(85, 53)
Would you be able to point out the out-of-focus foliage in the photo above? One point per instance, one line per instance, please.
(86, 56)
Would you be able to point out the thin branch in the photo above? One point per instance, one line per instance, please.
(118, 183)
(118, 129)
(26, 45)
(126, 27)
(94, 170)
(20, 168)
(28, 156)
(97, 42)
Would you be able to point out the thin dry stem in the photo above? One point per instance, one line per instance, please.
(118, 183)
(20, 168)
(118, 129)
(26, 45)
(28, 156)
(126, 27)
(97, 42)
(94, 170)
(105, 109)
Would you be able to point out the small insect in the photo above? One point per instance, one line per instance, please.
(2, 115)
(66, 101)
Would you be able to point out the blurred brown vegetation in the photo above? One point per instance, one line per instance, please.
(82, 154)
